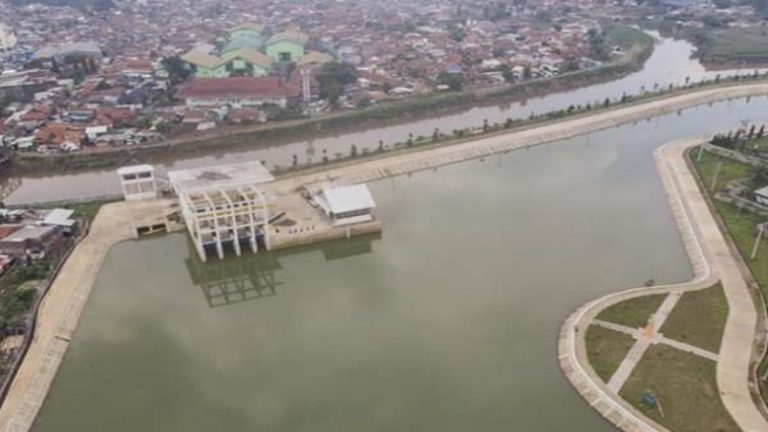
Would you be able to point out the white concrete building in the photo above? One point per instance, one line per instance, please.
(138, 182)
(224, 206)
(347, 205)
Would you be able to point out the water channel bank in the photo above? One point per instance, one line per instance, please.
(411, 163)
(388, 113)
(670, 63)
(712, 260)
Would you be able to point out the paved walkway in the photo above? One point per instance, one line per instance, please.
(712, 261)
(418, 159)
(642, 343)
(61, 309)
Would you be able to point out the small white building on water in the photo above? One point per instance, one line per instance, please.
(138, 182)
(347, 205)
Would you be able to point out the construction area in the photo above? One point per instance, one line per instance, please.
(235, 208)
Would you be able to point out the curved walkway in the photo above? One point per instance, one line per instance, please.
(61, 309)
(712, 260)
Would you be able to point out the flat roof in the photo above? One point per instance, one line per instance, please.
(135, 169)
(348, 198)
(222, 177)
(60, 217)
(762, 191)
(28, 232)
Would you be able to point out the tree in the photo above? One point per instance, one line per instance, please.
(332, 78)
(507, 73)
(177, 69)
(454, 81)
(527, 72)
(353, 151)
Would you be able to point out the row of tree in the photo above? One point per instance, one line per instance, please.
(734, 140)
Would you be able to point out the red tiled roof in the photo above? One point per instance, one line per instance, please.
(237, 87)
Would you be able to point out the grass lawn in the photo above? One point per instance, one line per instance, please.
(760, 144)
(699, 318)
(606, 349)
(736, 44)
(633, 312)
(87, 210)
(741, 228)
(684, 385)
(730, 170)
(626, 37)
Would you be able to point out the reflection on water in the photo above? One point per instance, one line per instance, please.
(255, 276)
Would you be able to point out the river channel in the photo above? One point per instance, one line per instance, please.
(670, 63)
(448, 322)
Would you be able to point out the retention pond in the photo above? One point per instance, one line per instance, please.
(448, 322)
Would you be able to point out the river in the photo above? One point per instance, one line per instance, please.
(670, 63)
(448, 322)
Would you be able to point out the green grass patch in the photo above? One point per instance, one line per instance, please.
(734, 44)
(699, 318)
(741, 227)
(730, 170)
(606, 349)
(627, 37)
(634, 312)
(87, 210)
(684, 385)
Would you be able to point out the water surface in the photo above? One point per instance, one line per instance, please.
(448, 322)
(670, 63)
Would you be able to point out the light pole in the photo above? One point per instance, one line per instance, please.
(717, 173)
(761, 229)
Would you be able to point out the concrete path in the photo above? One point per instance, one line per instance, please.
(733, 368)
(643, 342)
(656, 339)
(712, 260)
(60, 310)
(408, 161)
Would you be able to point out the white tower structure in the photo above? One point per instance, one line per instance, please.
(138, 182)
(224, 206)
(306, 88)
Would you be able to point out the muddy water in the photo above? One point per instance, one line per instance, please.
(669, 64)
(447, 323)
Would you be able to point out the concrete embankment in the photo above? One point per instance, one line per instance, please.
(249, 137)
(711, 260)
(64, 303)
